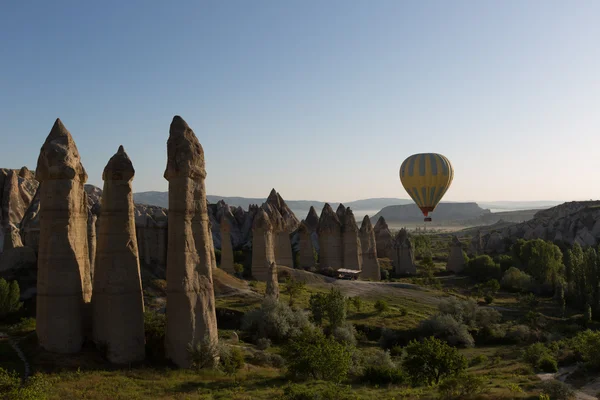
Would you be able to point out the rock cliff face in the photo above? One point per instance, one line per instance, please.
(572, 222)
(330, 240)
(384, 240)
(191, 317)
(273, 282)
(370, 264)
(444, 212)
(63, 281)
(284, 223)
(17, 190)
(117, 281)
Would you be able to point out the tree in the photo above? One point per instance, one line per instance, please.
(541, 259)
(488, 290)
(483, 268)
(317, 307)
(9, 297)
(431, 361)
(357, 303)
(335, 307)
(381, 306)
(293, 288)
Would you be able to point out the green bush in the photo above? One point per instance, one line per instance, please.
(515, 280)
(265, 359)
(461, 387)
(9, 297)
(155, 329)
(274, 320)
(231, 359)
(431, 361)
(483, 268)
(263, 343)
(203, 354)
(345, 334)
(313, 355)
(558, 390)
(480, 359)
(238, 269)
(381, 306)
(587, 345)
(547, 364)
(534, 353)
(444, 326)
(382, 375)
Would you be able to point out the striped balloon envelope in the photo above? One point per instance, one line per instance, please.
(426, 177)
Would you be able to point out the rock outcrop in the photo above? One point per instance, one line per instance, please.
(284, 223)
(118, 304)
(370, 264)
(476, 247)
(262, 246)
(226, 247)
(16, 194)
(151, 229)
(456, 260)
(312, 219)
(404, 262)
(384, 240)
(191, 317)
(330, 240)
(306, 251)
(15, 256)
(273, 282)
(91, 231)
(350, 241)
(63, 282)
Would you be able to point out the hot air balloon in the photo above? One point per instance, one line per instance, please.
(426, 178)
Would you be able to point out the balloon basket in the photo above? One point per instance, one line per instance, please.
(427, 219)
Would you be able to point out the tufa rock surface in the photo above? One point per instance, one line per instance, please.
(273, 282)
(330, 240)
(404, 262)
(63, 282)
(262, 246)
(384, 240)
(118, 304)
(370, 264)
(351, 241)
(191, 317)
(456, 260)
(306, 257)
(226, 247)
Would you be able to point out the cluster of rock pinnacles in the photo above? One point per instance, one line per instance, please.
(79, 277)
(66, 291)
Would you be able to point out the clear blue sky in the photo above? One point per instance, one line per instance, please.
(320, 99)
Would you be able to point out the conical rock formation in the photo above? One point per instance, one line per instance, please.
(117, 281)
(306, 257)
(384, 240)
(404, 262)
(191, 317)
(273, 282)
(370, 264)
(330, 240)
(63, 283)
(351, 241)
(456, 260)
(226, 247)
(262, 246)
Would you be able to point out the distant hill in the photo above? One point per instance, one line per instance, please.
(444, 213)
(300, 207)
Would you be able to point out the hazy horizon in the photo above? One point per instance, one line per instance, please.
(319, 100)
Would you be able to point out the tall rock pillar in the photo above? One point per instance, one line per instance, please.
(404, 260)
(306, 250)
(384, 240)
(191, 317)
(63, 279)
(118, 304)
(370, 264)
(263, 253)
(456, 260)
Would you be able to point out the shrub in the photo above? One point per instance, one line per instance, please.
(587, 345)
(231, 359)
(547, 364)
(403, 312)
(203, 354)
(263, 343)
(381, 306)
(388, 339)
(9, 297)
(385, 275)
(382, 375)
(311, 354)
(447, 328)
(293, 287)
(519, 334)
(357, 303)
(515, 280)
(432, 360)
(528, 301)
(345, 334)
(275, 321)
(557, 390)
(238, 269)
(155, 328)
(461, 386)
(534, 353)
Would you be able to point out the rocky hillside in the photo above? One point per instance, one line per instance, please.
(444, 213)
(573, 222)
